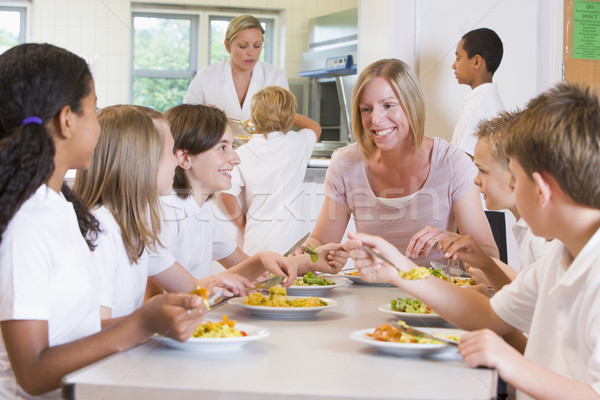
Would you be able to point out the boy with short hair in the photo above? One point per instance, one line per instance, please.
(495, 184)
(478, 55)
(554, 151)
(270, 174)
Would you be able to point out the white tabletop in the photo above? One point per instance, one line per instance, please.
(312, 359)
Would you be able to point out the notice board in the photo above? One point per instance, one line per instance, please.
(581, 42)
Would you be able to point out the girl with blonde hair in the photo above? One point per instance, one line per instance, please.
(133, 165)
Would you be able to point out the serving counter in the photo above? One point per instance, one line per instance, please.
(306, 359)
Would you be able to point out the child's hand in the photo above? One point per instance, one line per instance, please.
(332, 258)
(175, 315)
(278, 265)
(373, 269)
(484, 348)
(422, 242)
(464, 247)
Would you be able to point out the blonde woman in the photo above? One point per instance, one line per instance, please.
(230, 84)
(399, 184)
(133, 164)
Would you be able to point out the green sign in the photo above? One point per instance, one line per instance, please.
(586, 30)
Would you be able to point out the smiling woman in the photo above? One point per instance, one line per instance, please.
(398, 183)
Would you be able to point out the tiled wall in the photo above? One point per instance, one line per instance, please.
(99, 30)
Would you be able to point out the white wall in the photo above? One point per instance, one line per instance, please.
(100, 31)
(424, 33)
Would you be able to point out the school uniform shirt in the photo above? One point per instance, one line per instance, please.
(483, 102)
(556, 301)
(397, 219)
(269, 179)
(214, 85)
(124, 283)
(47, 273)
(191, 236)
(530, 246)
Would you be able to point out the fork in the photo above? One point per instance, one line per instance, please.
(375, 254)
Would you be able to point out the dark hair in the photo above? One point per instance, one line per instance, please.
(487, 44)
(37, 80)
(196, 128)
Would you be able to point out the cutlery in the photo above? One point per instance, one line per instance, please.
(375, 254)
(417, 332)
(296, 245)
(248, 125)
(267, 283)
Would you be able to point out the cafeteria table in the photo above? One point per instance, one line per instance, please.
(300, 359)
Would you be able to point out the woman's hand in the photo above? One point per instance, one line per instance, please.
(370, 268)
(464, 247)
(332, 258)
(422, 242)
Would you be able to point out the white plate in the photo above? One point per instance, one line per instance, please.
(405, 349)
(215, 345)
(358, 280)
(283, 312)
(316, 290)
(414, 318)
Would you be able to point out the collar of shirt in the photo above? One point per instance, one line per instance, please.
(479, 89)
(576, 268)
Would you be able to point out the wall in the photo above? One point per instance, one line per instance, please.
(99, 31)
(424, 33)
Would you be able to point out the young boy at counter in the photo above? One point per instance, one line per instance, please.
(478, 55)
(270, 175)
(554, 152)
(496, 184)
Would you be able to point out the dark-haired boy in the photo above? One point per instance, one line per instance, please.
(478, 55)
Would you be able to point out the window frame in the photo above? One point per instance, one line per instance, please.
(162, 74)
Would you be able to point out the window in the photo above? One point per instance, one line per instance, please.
(12, 27)
(164, 58)
(169, 48)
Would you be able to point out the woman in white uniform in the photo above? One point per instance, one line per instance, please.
(230, 84)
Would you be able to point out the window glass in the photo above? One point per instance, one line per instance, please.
(11, 31)
(162, 43)
(159, 93)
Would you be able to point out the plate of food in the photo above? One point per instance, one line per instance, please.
(315, 285)
(215, 337)
(352, 274)
(412, 311)
(389, 340)
(278, 305)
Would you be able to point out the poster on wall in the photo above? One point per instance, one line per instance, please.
(586, 30)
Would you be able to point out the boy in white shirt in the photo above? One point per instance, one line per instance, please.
(497, 187)
(270, 174)
(554, 152)
(478, 56)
